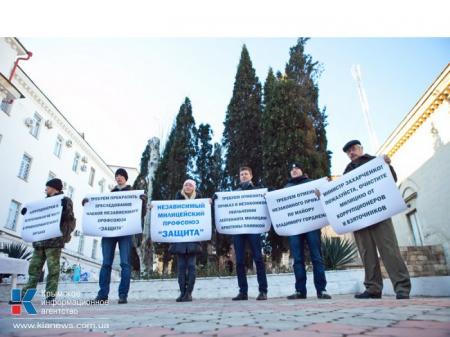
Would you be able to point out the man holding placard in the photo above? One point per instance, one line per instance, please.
(379, 236)
(297, 245)
(254, 240)
(50, 250)
(109, 247)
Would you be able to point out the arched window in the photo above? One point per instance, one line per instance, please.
(410, 196)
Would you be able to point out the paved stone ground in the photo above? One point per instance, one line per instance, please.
(341, 316)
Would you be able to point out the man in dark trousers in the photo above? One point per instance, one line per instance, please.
(297, 244)
(254, 240)
(109, 247)
(50, 250)
(379, 236)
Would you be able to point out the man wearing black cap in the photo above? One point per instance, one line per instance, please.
(297, 244)
(109, 247)
(380, 235)
(50, 250)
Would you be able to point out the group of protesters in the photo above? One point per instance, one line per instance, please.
(379, 237)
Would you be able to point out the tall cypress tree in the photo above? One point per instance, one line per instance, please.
(293, 127)
(242, 132)
(177, 161)
(176, 164)
(204, 161)
(304, 72)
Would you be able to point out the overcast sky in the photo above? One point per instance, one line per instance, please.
(121, 92)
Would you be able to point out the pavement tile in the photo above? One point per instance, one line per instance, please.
(423, 325)
(364, 321)
(143, 332)
(338, 328)
(424, 317)
(408, 332)
(303, 334)
(242, 331)
(430, 317)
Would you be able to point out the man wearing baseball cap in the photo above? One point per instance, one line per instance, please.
(50, 250)
(379, 236)
(297, 245)
(109, 247)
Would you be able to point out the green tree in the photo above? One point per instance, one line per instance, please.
(176, 165)
(242, 132)
(305, 72)
(293, 128)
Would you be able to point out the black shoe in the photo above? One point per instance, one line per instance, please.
(179, 297)
(262, 296)
(323, 296)
(122, 300)
(402, 296)
(98, 300)
(296, 296)
(366, 295)
(240, 297)
(187, 297)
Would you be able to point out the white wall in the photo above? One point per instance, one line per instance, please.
(423, 165)
(17, 140)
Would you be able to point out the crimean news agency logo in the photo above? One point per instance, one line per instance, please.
(17, 301)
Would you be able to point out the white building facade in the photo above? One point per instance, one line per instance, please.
(420, 152)
(38, 143)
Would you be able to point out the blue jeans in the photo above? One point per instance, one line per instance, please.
(297, 250)
(254, 241)
(108, 249)
(186, 272)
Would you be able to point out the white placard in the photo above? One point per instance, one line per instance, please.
(362, 197)
(242, 212)
(42, 219)
(113, 214)
(181, 220)
(296, 210)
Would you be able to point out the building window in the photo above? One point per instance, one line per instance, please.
(25, 166)
(5, 106)
(414, 226)
(101, 183)
(36, 127)
(70, 192)
(58, 146)
(76, 162)
(94, 248)
(91, 176)
(51, 175)
(412, 216)
(81, 244)
(13, 215)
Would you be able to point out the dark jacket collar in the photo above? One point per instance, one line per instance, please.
(248, 185)
(298, 180)
(117, 189)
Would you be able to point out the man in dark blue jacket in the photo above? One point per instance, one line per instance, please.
(254, 240)
(109, 247)
(297, 244)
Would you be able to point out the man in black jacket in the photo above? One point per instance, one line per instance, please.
(379, 236)
(297, 244)
(254, 240)
(109, 247)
